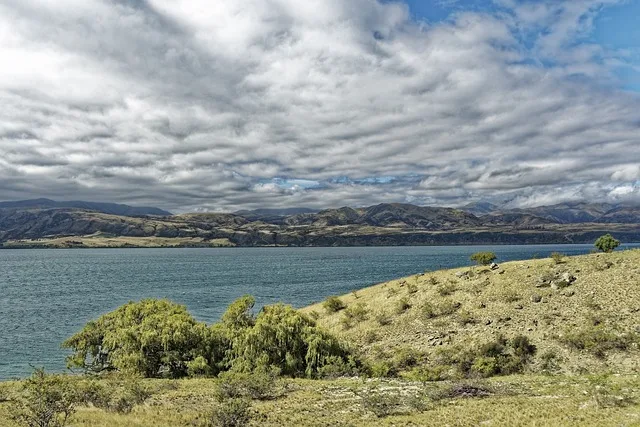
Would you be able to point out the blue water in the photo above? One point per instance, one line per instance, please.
(47, 295)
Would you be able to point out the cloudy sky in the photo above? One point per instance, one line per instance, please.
(228, 104)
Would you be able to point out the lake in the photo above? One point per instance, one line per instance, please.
(47, 295)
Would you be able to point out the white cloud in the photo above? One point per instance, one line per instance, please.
(189, 105)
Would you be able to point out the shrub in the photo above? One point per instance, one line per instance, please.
(598, 340)
(447, 307)
(429, 311)
(46, 401)
(498, 357)
(406, 358)
(333, 304)
(383, 318)
(557, 257)
(466, 318)
(446, 289)
(412, 288)
(336, 367)
(381, 404)
(115, 393)
(370, 337)
(260, 384)
(402, 306)
(483, 258)
(231, 413)
(425, 373)
(358, 312)
(606, 243)
(392, 292)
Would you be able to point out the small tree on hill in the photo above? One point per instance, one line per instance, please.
(483, 258)
(607, 243)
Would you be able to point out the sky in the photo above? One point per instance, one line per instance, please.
(194, 105)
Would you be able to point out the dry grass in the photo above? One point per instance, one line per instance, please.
(513, 401)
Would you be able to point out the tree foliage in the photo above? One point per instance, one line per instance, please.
(483, 258)
(607, 243)
(158, 338)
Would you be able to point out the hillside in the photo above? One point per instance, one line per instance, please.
(583, 368)
(380, 225)
(468, 306)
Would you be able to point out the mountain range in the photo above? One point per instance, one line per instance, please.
(36, 222)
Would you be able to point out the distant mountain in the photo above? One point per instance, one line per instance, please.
(27, 222)
(480, 208)
(570, 213)
(563, 213)
(108, 208)
(397, 215)
(272, 216)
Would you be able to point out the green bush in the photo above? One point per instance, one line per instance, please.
(498, 357)
(483, 258)
(606, 243)
(231, 413)
(598, 340)
(46, 401)
(333, 304)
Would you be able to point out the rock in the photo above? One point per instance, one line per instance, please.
(488, 322)
(501, 272)
(519, 307)
(494, 266)
(536, 298)
(568, 277)
(462, 274)
(569, 293)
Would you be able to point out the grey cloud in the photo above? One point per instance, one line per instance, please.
(193, 107)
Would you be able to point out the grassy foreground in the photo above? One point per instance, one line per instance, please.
(586, 370)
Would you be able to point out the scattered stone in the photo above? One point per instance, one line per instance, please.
(488, 322)
(569, 293)
(462, 275)
(501, 272)
(519, 307)
(494, 266)
(536, 298)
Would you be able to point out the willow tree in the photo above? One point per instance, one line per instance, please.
(151, 338)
